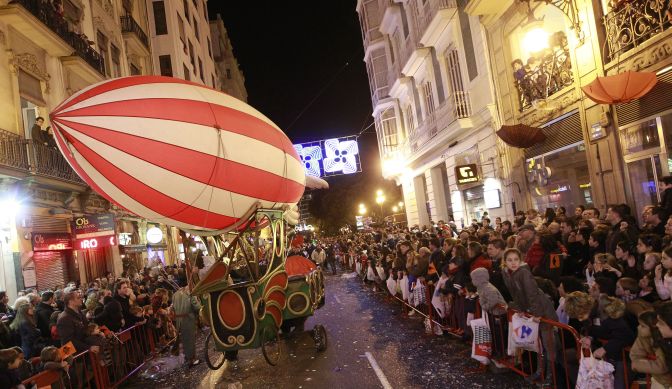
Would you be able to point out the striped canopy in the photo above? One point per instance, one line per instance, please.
(176, 152)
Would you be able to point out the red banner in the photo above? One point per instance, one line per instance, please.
(95, 243)
(51, 241)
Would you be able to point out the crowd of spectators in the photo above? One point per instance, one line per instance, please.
(34, 326)
(607, 276)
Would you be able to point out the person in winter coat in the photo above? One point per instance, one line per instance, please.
(476, 257)
(9, 362)
(111, 316)
(43, 312)
(527, 297)
(666, 196)
(418, 267)
(490, 298)
(646, 356)
(24, 325)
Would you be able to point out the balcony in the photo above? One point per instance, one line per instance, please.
(432, 18)
(545, 74)
(28, 157)
(134, 36)
(634, 22)
(50, 31)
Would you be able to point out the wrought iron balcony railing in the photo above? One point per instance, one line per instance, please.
(128, 24)
(633, 22)
(29, 156)
(13, 152)
(57, 23)
(545, 73)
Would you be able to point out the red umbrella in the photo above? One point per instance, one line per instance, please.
(620, 88)
(298, 265)
(521, 136)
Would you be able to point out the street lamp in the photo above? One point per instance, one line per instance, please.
(395, 209)
(362, 209)
(401, 204)
(380, 199)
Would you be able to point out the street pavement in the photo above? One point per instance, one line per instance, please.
(369, 345)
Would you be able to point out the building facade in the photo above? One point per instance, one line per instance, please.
(180, 40)
(434, 108)
(596, 154)
(48, 53)
(231, 78)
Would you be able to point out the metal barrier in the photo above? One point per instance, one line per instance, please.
(124, 355)
(561, 363)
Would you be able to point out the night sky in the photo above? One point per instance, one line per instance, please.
(304, 69)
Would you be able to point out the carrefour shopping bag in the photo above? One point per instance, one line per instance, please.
(523, 334)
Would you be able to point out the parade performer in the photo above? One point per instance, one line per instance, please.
(186, 309)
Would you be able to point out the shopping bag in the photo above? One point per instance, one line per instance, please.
(595, 374)
(381, 272)
(358, 267)
(523, 334)
(370, 274)
(481, 344)
(419, 294)
(404, 288)
(392, 286)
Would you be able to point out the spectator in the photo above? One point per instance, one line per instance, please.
(621, 230)
(476, 257)
(646, 355)
(9, 362)
(649, 243)
(123, 297)
(72, 324)
(43, 312)
(490, 298)
(666, 196)
(24, 325)
(5, 309)
(656, 222)
(318, 256)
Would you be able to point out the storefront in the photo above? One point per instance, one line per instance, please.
(95, 239)
(557, 170)
(645, 135)
(143, 244)
(52, 264)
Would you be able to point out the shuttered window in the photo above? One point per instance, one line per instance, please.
(656, 101)
(31, 89)
(559, 133)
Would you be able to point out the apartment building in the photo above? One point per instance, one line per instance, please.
(51, 50)
(434, 108)
(231, 78)
(180, 40)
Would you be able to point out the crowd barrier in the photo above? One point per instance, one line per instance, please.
(563, 360)
(127, 352)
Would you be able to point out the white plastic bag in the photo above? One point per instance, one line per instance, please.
(381, 272)
(392, 286)
(595, 374)
(523, 334)
(405, 292)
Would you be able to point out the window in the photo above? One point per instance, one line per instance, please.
(200, 70)
(166, 65)
(186, 9)
(454, 71)
(228, 73)
(388, 123)
(213, 81)
(135, 71)
(186, 72)
(428, 95)
(101, 39)
(160, 26)
(209, 48)
(116, 61)
(410, 119)
(198, 37)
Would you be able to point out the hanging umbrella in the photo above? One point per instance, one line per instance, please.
(521, 135)
(620, 88)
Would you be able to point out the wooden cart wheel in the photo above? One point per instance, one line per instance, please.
(213, 357)
(320, 337)
(271, 345)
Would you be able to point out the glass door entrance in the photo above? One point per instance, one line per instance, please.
(644, 175)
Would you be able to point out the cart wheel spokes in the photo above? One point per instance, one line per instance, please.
(213, 357)
(271, 346)
(320, 337)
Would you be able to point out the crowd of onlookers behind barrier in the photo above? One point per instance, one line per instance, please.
(34, 328)
(609, 277)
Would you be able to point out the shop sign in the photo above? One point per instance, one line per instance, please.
(95, 242)
(51, 241)
(154, 235)
(492, 199)
(466, 174)
(560, 189)
(141, 248)
(93, 225)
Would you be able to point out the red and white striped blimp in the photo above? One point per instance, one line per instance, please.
(177, 152)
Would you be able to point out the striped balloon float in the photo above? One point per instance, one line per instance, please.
(176, 152)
